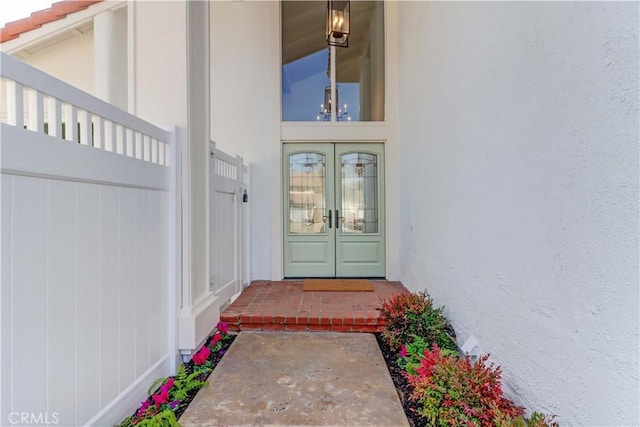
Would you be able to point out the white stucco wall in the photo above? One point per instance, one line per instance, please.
(70, 60)
(245, 109)
(519, 192)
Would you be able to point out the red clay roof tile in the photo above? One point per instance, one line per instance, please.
(43, 16)
(37, 19)
(19, 26)
(5, 36)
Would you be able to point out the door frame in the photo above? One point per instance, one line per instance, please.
(383, 206)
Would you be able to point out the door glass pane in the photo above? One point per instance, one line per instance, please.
(359, 193)
(307, 183)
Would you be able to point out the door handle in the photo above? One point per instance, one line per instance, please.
(328, 216)
(338, 218)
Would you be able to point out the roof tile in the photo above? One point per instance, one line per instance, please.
(5, 36)
(43, 17)
(37, 19)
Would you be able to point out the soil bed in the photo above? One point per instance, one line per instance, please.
(402, 386)
(214, 359)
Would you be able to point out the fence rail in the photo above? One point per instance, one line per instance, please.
(40, 103)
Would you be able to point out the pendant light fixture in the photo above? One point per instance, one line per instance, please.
(338, 23)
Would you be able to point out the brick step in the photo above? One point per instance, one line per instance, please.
(285, 306)
(301, 323)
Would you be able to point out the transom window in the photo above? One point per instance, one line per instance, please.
(309, 66)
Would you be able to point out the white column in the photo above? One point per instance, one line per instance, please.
(110, 57)
(198, 107)
(201, 309)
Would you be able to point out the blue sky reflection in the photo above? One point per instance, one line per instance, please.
(303, 83)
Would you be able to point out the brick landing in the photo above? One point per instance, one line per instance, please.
(283, 306)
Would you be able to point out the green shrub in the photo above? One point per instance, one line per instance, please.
(412, 314)
(164, 418)
(537, 419)
(411, 355)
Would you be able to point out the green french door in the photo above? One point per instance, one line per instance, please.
(334, 210)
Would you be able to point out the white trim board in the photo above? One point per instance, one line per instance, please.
(24, 152)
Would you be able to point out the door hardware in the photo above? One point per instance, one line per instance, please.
(338, 218)
(329, 216)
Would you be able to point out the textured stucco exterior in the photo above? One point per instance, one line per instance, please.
(519, 207)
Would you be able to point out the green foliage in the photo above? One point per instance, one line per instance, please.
(537, 419)
(449, 390)
(205, 368)
(170, 394)
(165, 418)
(412, 314)
(136, 419)
(411, 355)
(185, 382)
(414, 353)
(177, 389)
(127, 422)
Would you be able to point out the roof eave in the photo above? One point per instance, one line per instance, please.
(53, 29)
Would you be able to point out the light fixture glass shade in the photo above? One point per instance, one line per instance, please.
(325, 113)
(338, 23)
(327, 99)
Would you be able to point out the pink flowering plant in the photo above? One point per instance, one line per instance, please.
(168, 396)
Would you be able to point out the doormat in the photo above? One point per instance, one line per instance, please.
(337, 285)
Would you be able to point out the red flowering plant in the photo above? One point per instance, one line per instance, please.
(411, 355)
(454, 391)
(167, 396)
(408, 314)
(446, 390)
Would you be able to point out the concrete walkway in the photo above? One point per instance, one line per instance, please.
(299, 379)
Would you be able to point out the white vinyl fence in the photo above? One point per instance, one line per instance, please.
(229, 198)
(87, 256)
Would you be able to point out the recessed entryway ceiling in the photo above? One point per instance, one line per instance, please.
(303, 32)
